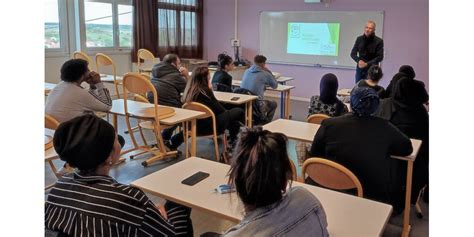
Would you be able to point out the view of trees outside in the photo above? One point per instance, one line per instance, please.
(125, 25)
(51, 25)
(99, 25)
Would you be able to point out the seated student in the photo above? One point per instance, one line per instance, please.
(406, 71)
(68, 99)
(198, 90)
(363, 144)
(405, 110)
(222, 81)
(261, 172)
(169, 79)
(327, 101)
(90, 202)
(256, 79)
(373, 77)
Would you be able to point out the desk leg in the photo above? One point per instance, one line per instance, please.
(193, 137)
(282, 104)
(250, 114)
(406, 212)
(287, 104)
(186, 136)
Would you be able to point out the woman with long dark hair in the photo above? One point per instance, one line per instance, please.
(198, 90)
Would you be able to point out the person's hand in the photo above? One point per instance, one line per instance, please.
(184, 71)
(162, 211)
(362, 64)
(93, 78)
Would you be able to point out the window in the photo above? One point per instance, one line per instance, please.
(55, 26)
(125, 25)
(52, 38)
(108, 23)
(177, 23)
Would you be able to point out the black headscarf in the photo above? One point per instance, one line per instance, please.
(84, 142)
(408, 71)
(328, 88)
(364, 101)
(408, 92)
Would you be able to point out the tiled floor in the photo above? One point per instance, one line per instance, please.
(203, 222)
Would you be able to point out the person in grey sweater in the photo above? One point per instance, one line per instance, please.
(69, 100)
(256, 79)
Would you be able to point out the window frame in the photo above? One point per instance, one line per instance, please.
(115, 26)
(172, 7)
(64, 43)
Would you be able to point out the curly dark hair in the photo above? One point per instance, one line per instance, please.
(73, 69)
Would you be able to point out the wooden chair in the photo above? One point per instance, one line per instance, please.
(293, 170)
(207, 113)
(104, 60)
(138, 84)
(317, 118)
(144, 55)
(331, 175)
(51, 123)
(82, 55)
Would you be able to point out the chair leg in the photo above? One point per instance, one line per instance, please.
(53, 168)
(216, 147)
(225, 144)
(419, 212)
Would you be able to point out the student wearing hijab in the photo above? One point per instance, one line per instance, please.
(405, 110)
(327, 102)
(374, 75)
(90, 202)
(363, 144)
(407, 71)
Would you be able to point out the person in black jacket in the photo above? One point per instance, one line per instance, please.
(169, 79)
(407, 71)
(363, 144)
(367, 51)
(197, 90)
(405, 110)
(222, 80)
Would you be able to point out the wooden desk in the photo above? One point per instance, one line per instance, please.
(344, 92)
(181, 116)
(243, 99)
(303, 131)
(285, 97)
(105, 78)
(347, 215)
(48, 87)
(50, 154)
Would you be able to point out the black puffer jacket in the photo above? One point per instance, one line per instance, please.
(169, 84)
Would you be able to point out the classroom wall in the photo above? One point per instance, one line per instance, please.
(53, 66)
(405, 36)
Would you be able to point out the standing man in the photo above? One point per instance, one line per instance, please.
(367, 51)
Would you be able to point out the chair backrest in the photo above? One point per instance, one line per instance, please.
(141, 98)
(317, 118)
(104, 60)
(293, 170)
(201, 108)
(82, 55)
(331, 175)
(144, 54)
(50, 122)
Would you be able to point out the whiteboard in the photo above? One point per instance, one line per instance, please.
(274, 35)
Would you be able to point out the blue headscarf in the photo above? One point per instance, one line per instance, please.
(328, 88)
(364, 101)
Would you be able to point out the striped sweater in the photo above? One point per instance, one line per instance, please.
(85, 205)
(68, 100)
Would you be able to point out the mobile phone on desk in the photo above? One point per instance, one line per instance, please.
(195, 178)
(234, 98)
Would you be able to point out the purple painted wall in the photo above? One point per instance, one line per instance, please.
(405, 36)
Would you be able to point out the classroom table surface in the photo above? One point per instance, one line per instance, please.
(304, 131)
(106, 78)
(50, 154)
(181, 115)
(344, 92)
(347, 215)
(280, 87)
(226, 97)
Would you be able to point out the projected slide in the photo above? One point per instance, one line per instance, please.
(313, 38)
